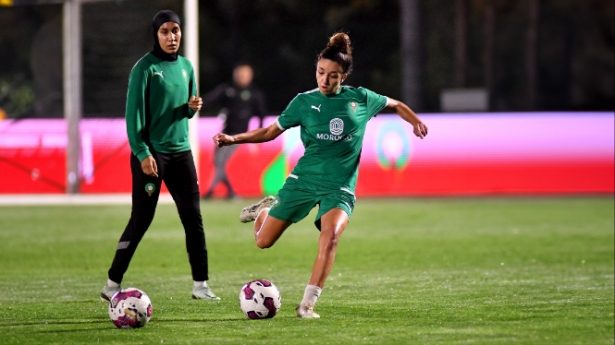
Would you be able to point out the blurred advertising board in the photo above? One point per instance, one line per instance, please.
(464, 154)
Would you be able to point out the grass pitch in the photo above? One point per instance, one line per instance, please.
(408, 271)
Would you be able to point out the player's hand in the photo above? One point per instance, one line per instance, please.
(149, 166)
(195, 103)
(420, 130)
(222, 139)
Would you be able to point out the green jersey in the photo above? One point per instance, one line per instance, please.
(332, 130)
(157, 109)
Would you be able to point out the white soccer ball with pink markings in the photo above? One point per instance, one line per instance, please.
(260, 299)
(130, 308)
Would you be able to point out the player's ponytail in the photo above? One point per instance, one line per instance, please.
(339, 50)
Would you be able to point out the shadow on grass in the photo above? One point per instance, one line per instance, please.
(200, 320)
(169, 321)
(106, 320)
(73, 330)
(53, 322)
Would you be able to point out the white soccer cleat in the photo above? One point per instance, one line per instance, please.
(204, 292)
(249, 213)
(306, 311)
(107, 292)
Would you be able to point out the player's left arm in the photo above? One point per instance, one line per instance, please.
(420, 129)
(194, 101)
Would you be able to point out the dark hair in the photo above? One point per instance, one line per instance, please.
(339, 50)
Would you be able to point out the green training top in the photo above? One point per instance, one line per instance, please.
(157, 109)
(332, 130)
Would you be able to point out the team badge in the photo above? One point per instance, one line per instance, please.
(353, 105)
(150, 188)
(336, 126)
(185, 75)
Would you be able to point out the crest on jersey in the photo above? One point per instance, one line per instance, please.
(353, 105)
(336, 126)
(185, 75)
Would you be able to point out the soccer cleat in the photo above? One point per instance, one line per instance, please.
(204, 292)
(107, 292)
(306, 311)
(249, 213)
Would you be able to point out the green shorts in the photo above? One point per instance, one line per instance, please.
(296, 199)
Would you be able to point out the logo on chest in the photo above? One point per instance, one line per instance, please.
(336, 126)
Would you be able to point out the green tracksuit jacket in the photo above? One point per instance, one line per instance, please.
(157, 109)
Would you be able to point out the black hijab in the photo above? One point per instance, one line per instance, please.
(159, 19)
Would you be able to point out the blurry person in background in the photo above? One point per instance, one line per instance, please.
(161, 98)
(238, 101)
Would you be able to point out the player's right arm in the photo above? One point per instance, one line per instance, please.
(136, 120)
(290, 117)
(259, 135)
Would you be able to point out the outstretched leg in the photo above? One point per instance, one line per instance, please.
(333, 224)
(145, 193)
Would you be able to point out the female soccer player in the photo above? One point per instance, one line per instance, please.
(161, 98)
(332, 118)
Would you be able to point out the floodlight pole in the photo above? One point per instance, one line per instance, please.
(409, 28)
(191, 44)
(71, 32)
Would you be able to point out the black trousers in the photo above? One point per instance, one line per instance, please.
(178, 172)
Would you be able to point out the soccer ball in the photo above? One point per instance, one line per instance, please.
(260, 299)
(130, 308)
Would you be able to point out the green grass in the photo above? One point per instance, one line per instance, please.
(408, 271)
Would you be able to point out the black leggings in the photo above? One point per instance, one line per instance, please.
(178, 172)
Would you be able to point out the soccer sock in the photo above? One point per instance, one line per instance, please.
(111, 283)
(311, 294)
(200, 284)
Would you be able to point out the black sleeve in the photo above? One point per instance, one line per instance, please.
(214, 97)
(260, 109)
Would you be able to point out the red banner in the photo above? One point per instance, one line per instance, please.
(538, 153)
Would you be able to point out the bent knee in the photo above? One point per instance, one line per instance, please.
(263, 244)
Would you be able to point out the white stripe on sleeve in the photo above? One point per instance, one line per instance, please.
(388, 103)
(277, 122)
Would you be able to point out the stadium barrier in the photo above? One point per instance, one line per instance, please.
(464, 154)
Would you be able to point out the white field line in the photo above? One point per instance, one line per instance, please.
(71, 199)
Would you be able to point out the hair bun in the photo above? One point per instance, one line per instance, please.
(338, 50)
(340, 42)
